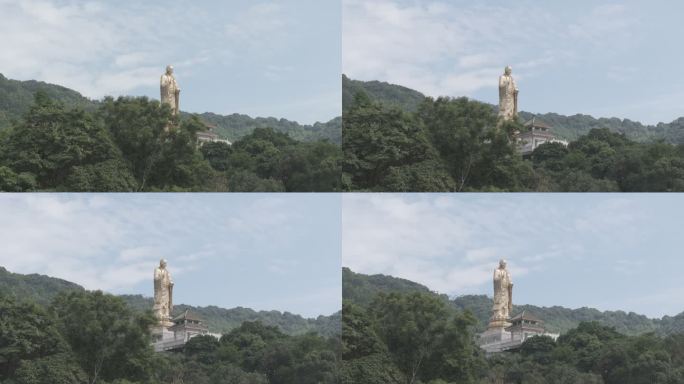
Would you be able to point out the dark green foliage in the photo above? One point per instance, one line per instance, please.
(361, 289)
(264, 355)
(398, 140)
(267, 160)
(378, 140)
(426, 338)
(389, 94)
(29, 339)
(408, 338)
(61, 368)
(358, 335)
(11, 182)
(565, 127)
(108, 339)
(365, 357)
(417, 337)
(37, 288)
(43, 289)
(134, 144)
(447, 145)
(52, 144)
(16, 98)
(234, 127)
(91, 337)
(217, 154)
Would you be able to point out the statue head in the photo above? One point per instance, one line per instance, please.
(502, 264)
(508, 70)
(169, 69)
(162, 263)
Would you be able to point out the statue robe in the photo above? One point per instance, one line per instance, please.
(162, 293)
(508, 97)
(169, 92)
(502, 295)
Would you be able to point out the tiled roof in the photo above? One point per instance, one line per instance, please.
(187, 315)
(537, 123)
(524, 315)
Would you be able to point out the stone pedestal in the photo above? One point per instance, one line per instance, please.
(494, 336)
(495, 340)
(498, 324)
(160, 333)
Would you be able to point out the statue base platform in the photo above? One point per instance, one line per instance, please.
(498, 324)
(161, 333)
(495, 340)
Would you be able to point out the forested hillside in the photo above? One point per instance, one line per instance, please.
(85, 337)
(235, 126)
(361, 289)
(459, 145)
(565, 127)
(136, 145)
(16, 98)
(389, 94)
(412, 335)
(43, 289)
(39, 288)
(222, 320)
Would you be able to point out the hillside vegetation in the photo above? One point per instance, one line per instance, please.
(16, 99)
(361, 289)
(43, 289)
(136, 145)
(397, 331)
(458, 145)
(565, 127)
(85, 337)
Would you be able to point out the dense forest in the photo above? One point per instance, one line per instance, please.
(449, 144)
(361, 289)
(63, 142)
(397, 331)
(565, 127)
(92, 337)
(55, 332)
(43, 289)
(16, 98)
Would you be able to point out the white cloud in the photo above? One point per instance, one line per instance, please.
(113, 243)
(257, 26)
(451, 243)
(605, 25)
(103, 49)
(457, 49)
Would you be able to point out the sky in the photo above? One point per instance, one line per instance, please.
(255, 57)
(603, 58)
(261, 251)
(604, 251)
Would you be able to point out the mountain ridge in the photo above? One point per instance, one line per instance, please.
(565, 127)
(360, 289)
(16, 97)
(42, 289)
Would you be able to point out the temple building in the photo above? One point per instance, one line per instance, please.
(185, 327)
(209, 136)
(505, 333)
(522, 326)
(171, 333)
(537, 133)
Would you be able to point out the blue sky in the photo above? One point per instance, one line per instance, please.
(604, 58)
(263, 251)
(606, 251)
(256, 57)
